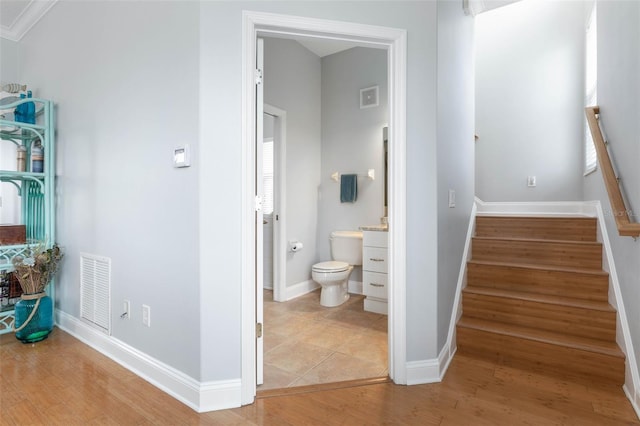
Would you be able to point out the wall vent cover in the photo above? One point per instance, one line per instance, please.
(369, 97)
(95, 291)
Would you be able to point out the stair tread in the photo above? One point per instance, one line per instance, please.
(538, 240)
(541, 298)
(543, 336)
(553, 268)
(528, 216)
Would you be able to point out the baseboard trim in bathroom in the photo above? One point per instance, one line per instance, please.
(270, 393)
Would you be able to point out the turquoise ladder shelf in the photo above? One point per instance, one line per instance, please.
(36, 190)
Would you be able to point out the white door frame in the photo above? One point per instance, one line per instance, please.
(395, 41)
(280, 201)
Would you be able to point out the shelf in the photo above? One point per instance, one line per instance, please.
(9, 175)
(9, 252)
(35, 190)
(6, 176)
(6, 309)
(6, 322)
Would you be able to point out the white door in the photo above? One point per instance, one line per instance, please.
(259, 216)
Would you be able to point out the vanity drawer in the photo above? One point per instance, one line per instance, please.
(374, 284)
(374, 259)
(375, 239)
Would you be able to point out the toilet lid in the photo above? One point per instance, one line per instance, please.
(331, 266)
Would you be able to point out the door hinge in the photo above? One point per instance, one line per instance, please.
(258, 330)
(258, 76)
(258, 203)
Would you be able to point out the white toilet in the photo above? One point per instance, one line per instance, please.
(333, 276)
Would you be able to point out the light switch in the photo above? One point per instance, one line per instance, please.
(181, 157)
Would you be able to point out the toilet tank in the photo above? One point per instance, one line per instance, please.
(346, 246)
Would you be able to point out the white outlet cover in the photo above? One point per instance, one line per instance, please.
(146, 315)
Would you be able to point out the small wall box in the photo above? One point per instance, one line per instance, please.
(12, 234)
(181, 157)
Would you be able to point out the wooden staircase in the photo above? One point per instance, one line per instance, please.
(537, 298)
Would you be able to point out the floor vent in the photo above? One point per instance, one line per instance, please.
(95, 291)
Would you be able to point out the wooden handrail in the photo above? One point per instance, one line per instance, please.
(626, 228)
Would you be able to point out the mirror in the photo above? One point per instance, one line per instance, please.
(385, 139)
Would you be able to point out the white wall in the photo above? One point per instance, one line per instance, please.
(126, 89)
(352, 141)
(9, 64)
(455, 150)
(220, 86)
(529, 94)
(292, 83)
(619, 101)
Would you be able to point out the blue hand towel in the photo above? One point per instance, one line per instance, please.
(348, 188)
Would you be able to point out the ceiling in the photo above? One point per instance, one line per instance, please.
(320, 46)
(18, 16)
(325, 47)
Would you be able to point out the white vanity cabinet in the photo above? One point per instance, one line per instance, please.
(375, 284)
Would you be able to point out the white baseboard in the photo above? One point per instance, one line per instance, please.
(535, 208)
(201, 397)
(623, 332)
(430, 370)
(633, 397)
(300, 289)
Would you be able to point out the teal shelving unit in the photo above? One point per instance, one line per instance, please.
(35, 190)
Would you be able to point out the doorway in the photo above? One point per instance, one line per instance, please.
(394, 40)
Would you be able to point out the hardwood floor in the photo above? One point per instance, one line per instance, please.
(61, 381)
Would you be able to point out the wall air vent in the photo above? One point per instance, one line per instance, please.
(95, 291)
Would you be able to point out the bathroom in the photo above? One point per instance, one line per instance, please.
(330, 129)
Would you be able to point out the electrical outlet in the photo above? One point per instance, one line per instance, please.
(146, 315)
(531, 181)
(126, 310)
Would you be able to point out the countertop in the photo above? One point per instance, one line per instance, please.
(380, 227)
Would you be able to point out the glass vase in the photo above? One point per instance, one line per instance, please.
(40, 325)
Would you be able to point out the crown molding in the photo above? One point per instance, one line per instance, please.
(31, 14)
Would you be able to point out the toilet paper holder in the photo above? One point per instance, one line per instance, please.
(295, 246)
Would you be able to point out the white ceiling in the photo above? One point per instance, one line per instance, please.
(324, 47)
(18, 16)
(320, 46)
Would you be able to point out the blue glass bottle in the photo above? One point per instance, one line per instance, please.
(20, 113)
(30, 110)
(40, 325)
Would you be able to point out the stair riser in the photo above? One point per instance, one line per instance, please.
(542, 357)
(561, 319)
(571, 229)
(539, 253)
(581, 286)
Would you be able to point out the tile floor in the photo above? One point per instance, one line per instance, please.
(305, 343)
